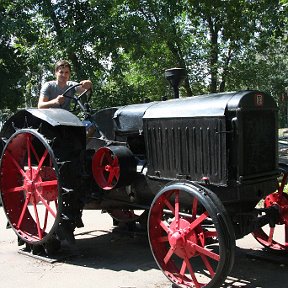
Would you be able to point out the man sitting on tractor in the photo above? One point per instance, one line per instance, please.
(51, 94)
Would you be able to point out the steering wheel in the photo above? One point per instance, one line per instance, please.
(78, 99)
(84, 106)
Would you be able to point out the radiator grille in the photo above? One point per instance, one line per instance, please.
(188, 147)
(259, 142)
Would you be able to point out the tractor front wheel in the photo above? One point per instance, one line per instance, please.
(191, 236)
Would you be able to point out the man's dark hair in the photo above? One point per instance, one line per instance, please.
(62, 64)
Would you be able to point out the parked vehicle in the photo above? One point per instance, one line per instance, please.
(201, 171)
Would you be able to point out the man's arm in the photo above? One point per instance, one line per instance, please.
(85, 85)
(44, 102)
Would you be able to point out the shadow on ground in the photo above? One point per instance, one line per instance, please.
(120, 249)
(258, 268)
(117, 250)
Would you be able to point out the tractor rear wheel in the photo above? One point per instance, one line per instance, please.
(191, 236)
(30, 187)
(275, 236)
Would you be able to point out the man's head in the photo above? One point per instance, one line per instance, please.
(62, 71)
(62, 64)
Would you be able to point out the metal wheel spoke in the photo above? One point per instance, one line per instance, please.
(194, 207)
(206, 252)
(168, 255)
(177, 209)
(23, 211)
(37, 219)
(208, 265)
(114, 162)
(47, 206)
(111, 176)
(191, 271)
(29, 155)
(198, 221)
(15, 163)
(40, 163)
(183, 270)
(15, 189)
(210, 234)
(47, 183)
(34, 152)
(46, 217)
(169, 205)
(271, 234)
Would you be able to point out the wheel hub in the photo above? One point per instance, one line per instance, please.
(30, 185)
(181, 241)
(33, 185)
(177, 240)
(107, 168)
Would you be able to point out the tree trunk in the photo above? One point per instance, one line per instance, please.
(176, 51)
(225, 71)
(72, 57)
(214, 50)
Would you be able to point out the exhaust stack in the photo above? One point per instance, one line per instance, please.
(175, 76)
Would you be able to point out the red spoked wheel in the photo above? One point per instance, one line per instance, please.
(275, 237)
(191, 236)
(30, 186)
(106, 168)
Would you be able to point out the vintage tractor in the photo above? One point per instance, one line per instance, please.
(201, 171)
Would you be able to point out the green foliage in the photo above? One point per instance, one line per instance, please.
(11, 62)
(125, 46)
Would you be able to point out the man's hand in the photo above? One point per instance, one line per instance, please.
(59, 100)
(86, 84)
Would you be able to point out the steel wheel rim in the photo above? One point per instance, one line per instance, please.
(30, 186)
(178, 245)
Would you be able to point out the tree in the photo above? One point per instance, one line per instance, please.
(11, 62)
(125, 46)
(230, 30)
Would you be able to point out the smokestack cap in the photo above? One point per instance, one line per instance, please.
(175, 76)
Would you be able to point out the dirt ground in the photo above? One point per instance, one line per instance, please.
(114, 258)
